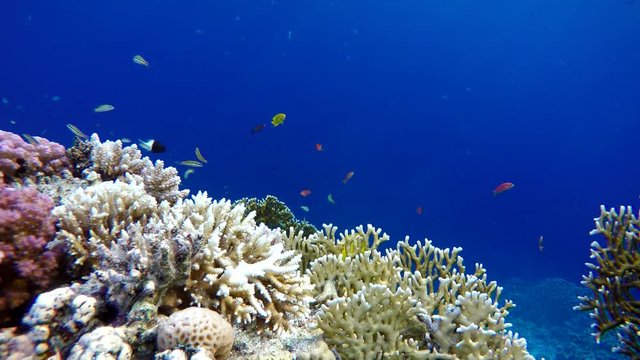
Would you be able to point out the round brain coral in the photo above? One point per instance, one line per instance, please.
(197, 328)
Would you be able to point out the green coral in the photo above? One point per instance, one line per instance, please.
(414, 302)
(276, 214)
(615, 279)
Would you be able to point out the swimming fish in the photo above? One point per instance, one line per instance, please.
(305, 192)
(104, 108)
(305, 208)
(347, 177)
(330, 198)
(419, 210)
(152, 145)
(55, 98)
(192, 163)
(256, 129)
(502, 188)
(188, 172)
(319, 147)
(199, 156)
(278, 119)
(125, 140)
(79, 134)
(30, 139)
(138, 59)
(540, 244)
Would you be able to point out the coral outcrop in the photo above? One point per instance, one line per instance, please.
(20, 159)
(413, 302)
(27, 266)
(276, 214)
(198, 329)
(614, 279)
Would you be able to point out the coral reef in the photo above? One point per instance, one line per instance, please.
(614, 279)
(276, 214)
(138, 249)
(20, 159)
(198, 329)
(26, 265)
(415, 301)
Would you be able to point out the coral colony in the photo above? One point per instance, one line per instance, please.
(102, 255)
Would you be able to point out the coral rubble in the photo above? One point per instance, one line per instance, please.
(614, 279)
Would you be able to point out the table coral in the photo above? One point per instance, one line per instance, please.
(615, 279)
(20, 159)
(26, 265)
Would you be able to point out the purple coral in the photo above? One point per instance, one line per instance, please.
(19, 158)
(26, 265)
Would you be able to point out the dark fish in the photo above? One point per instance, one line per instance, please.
(152, 145)
(256, 129)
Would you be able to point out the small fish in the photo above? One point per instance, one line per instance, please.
(305, 208)
(55, 98)
(192, 163)
(138, 59)
(152, 145)
(125, 140)
(330, 198)
(104, 108)
(319, 147)
(305, 192)
(502, 188)
(348, 177)
(5, 101)
(199, 156)
(30, 139)
(289, 34)
(540, 243)
(278, 119)
(256, 129)
(188, 172)
(79, 134)
(419, 210)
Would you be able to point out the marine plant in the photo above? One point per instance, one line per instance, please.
(614, 280)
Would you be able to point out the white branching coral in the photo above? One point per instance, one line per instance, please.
(111, 161)
(198, 251)
(241, 268)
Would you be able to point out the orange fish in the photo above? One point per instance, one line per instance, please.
(502, 188)
(319, 147)
(305, 192)
(256, 129)
(419, 210)
(347, 177)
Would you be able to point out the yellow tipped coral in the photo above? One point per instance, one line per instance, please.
(615, 279)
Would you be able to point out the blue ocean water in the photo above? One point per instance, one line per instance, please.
(432, 104)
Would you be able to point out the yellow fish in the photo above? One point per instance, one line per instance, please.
(278, 119)
(330, 198)
(199, 156)
(30, 139)
(192, 163)
(188, 172)
(138, 59)
(79, 134)
(104, 108)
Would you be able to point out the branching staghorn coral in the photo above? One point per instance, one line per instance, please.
(196, 251)
(615, 279)
(451, 314)
(111, 161)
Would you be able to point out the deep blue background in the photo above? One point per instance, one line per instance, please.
(431, 103)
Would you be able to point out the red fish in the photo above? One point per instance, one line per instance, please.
(502, 188)
(305, 192)
(319, 147)
(256, 129)
(419, 210)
